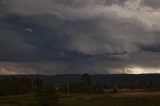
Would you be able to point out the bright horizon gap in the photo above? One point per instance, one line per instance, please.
(126, 70)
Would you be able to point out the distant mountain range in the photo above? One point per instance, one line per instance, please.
(111, 79)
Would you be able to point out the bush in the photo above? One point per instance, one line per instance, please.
(47, 96)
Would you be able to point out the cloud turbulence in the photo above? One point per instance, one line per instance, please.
(77, 36)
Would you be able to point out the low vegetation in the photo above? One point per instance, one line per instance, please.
(84, 100)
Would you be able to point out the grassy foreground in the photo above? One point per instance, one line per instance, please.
(120, 99)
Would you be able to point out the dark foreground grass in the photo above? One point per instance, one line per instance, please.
(104, 100)
(83, 100)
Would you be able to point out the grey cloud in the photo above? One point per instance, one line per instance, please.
(86, 35)
(12, 43)
(153, 3)
(46, 68)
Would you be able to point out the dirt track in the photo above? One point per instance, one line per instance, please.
(138, 94)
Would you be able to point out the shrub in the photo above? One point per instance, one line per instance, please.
(47, 96)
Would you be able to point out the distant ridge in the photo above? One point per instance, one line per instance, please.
(109, 79)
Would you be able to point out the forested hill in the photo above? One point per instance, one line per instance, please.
(111, 79)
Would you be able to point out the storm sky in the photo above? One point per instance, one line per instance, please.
(78, 36)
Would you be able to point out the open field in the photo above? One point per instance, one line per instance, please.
(127, 98)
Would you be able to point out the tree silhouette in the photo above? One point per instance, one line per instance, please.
(86, 83)
(86, 79)
(37, 84)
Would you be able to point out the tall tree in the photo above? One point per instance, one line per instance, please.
(86, 79)
(86, 83)
(38, 84)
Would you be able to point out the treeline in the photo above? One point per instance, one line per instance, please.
(16, 86)
(45, 95)
(84, 86)
(24, 85)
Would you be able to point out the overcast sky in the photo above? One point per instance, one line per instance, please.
(78, 36)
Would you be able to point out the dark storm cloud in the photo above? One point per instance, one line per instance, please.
(153, 3)
(97, 36)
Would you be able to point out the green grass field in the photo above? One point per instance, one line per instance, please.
(120, 99)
